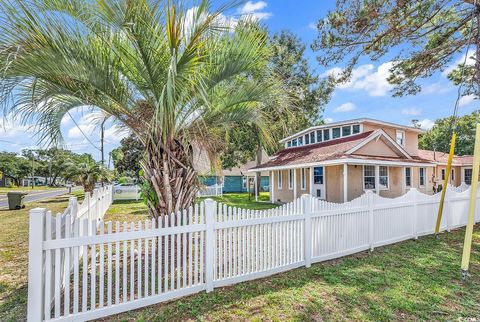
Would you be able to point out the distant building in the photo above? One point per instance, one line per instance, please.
(233, 180)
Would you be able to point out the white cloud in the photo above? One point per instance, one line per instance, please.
(85, 126)
(426, 124)
(328, 120)
(367, 78)
(254, 10)
(436, 88)
(13, 127)
(460, 60)
(411, 111)
(345, 107)
(312, 25)
(115, 133)
(465, 100)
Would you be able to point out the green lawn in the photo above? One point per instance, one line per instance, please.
(413, 280)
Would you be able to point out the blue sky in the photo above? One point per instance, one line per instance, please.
(366, 95)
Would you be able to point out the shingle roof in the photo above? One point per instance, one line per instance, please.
(442, 157)
(325, 151)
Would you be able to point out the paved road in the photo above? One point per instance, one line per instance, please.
(35, 195)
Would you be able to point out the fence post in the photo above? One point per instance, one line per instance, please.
(370, 219)
(415, 213)
(36, 235)
(307, 228)
(210, 215)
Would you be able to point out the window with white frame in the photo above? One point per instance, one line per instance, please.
(453, 175)
(467, 173)
(279, 180)
(244, 182)
(400, 137)
(356, 129)
(319, 135)
(307, 138)
(443, 174)
(336, 133)
(303, 179)
(421, 177)
(300, 141)
(346, 130)
(383, 177)
(318, 175)
(368, 177)
(326, 134)
(408, 177)
(290, 179)
(312, 137)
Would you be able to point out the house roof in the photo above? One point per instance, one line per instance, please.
(442, 158)
(357, 121)
(339, 149)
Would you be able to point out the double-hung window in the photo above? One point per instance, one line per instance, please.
(408, 177)
(421, 177)
(279, 175)
(443, 174)
(400, 137)
(383, 177)
(318, 175)
(468, 176)
(290, 179)
(368, 177)
(303, 179)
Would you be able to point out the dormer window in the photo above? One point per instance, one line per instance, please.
(356, 129)
(336, 133)
(319, 135)
(300, 141)
(346, 130)
(312, 137)
(326, 135)
(307, 139)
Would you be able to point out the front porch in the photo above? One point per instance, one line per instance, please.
(345, 180)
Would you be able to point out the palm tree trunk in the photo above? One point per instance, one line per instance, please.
(169, 171)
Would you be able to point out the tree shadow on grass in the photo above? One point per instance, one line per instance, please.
(13, 304)
(409, 280)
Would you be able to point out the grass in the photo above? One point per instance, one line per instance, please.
(14, 256)
(413, 280)
(242, 200)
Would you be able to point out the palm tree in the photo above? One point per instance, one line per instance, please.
(87, 173)
(174, 77)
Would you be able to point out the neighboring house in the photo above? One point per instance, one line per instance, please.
(339, 161)
(461, 167)
(6, 180)
(233, 180)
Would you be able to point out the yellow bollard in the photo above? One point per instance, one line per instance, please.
(445, 182)
(467, 244)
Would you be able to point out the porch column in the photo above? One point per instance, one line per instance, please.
(294, 183)
(404, 180)
(272, 188)
(255, 187)
(377, 179)
(345, 182)
(311, 181)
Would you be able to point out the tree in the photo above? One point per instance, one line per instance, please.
(87, 172)
(427, 34)
(127, 157)
(300, 107)
(438, 138)
(172, 76)
(16, 166)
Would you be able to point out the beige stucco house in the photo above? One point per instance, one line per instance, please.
(339, 161)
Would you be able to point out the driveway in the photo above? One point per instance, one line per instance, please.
(35, 195)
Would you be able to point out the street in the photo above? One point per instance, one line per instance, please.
(35, 195)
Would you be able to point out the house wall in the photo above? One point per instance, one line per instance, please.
(334, 183)
(375, 148)
(411, 137)
(458, 175)
(284, 194)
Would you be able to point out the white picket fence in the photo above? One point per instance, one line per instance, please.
(211, 191)
(132, 265)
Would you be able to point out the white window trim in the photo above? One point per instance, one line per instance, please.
(452, 175)
(405, 176)
(303, 179)
(380, 187)
(404, 137)
(291, 178)
(279, 179)
(388, 178)
(442, 174)
(363, 177)
(424, 177)
(463, 174)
